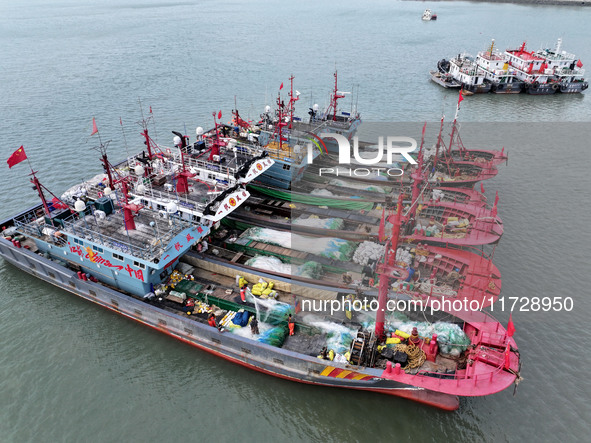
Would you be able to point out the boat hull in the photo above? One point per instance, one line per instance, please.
(573, 87)
(254, 355)
(507, 88)
(478, 89)
(543, 89)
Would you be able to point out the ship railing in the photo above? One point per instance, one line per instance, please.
(288, 155)
(205, 165)
(242, 147)
(566, 71)
(556, 57)
(163, 198)
(84, 230)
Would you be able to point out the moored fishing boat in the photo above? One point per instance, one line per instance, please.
(458, 153)
(123, 257)
(332, 119)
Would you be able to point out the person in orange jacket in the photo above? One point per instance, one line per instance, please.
(291, 325)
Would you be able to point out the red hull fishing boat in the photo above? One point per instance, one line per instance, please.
(121, 251)
(458, 153)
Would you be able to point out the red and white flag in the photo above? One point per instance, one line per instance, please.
(16, 157)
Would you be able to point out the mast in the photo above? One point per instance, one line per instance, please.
(438, 144)
(39, 188)
(215, 149)
(389, 260)
(334, 98)
(292, 100)
(417, 179)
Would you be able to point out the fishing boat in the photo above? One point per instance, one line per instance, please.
(332, 119)
(323, 250)
(125, 263)
(456, 152)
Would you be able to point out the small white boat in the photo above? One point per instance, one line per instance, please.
(428, 15)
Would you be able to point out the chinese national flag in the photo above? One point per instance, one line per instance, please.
(460, 98)
(510, 326)
(281, 87)
(16, 157)
(579, 64)
(94, 128)
(219, 115)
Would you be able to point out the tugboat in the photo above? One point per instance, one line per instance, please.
(496, 69)
(568, 70)
(533, 70)
(465, 71)
(331, 120)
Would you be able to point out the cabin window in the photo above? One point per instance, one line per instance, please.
(118, 257)
(137, 264)
(160, 207)
(97, 249)
(286, 167)
(78, 241)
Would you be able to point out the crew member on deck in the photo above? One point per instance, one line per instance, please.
(254, 325)
(291, 325)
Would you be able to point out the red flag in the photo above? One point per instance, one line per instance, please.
(120, 121)
(510, 326)
(481, 187)
(460, 98)
(579, 64)
(16, 157)
(219, 115)
(150, 109)
(494, 208)
(94, 128)
(281, 87)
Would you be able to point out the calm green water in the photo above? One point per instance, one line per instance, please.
(70, 371)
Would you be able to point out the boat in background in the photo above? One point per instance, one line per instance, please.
(428, 15)
(541, 72)
(465, 71)
(495, 67)
(567, 69)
